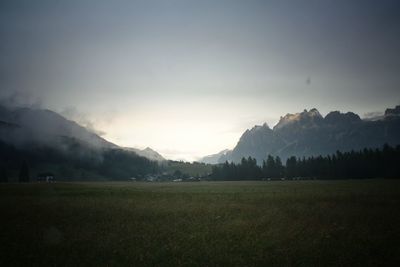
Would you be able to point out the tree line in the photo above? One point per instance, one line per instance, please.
(367, 163)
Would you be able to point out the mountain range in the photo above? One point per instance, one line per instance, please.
(51, 142)
(308, 133)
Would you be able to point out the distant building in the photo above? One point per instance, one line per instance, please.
(46, 177)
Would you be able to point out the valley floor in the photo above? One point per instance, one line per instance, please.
(282, 223)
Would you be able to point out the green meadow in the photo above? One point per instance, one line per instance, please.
(274, 223)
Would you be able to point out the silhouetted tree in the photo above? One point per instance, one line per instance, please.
(269, 167)
(291, 167)
(279, 169)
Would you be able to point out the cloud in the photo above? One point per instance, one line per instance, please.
(72, 113)
(373, 114)
(177, 154)
(20, 99)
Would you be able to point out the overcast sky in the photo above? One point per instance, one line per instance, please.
(188, 77)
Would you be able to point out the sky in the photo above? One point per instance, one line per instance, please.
(187, 78)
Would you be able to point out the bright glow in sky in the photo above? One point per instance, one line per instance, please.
(187, 78)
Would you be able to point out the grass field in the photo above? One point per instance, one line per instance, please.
(292, 223)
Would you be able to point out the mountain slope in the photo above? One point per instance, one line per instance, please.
(24, 127)
(49, 142)
(44, 127)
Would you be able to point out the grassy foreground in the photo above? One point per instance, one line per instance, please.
(302, 223)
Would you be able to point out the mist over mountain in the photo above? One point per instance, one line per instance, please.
(147, 153)
(26, 127)
(219, 157)
(308, 133)
(49, 142)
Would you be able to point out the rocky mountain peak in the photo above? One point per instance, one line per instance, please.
(260, 127)
(393, 111)
(336, 117)
(306, 117)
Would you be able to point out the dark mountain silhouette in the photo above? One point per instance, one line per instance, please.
(308, 133)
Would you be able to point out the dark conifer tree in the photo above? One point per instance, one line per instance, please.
(279, 169)
(269, 168)
(291, 167)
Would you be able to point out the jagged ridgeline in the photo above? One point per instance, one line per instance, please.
(308, 134)
(48, 142)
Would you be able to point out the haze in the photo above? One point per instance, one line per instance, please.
(186, 78)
